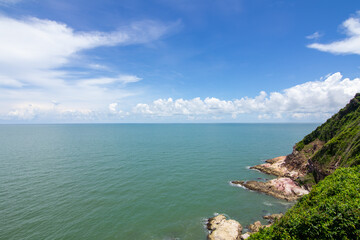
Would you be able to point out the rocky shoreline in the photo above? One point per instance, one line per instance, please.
(221, 228)
(284, 187)
(276, 166)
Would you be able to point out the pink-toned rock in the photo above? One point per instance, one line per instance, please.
(283, 188)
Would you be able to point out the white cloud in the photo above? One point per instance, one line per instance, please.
(49, 111)
(314, 100)
(124, 79)
(311, 100)
(315, 35)
(34, 52)
(349, 45)
(46, 44)
(113, 108)
(9, 82)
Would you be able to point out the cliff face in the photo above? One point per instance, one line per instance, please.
(336, 143)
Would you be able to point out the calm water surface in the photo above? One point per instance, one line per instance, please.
(133, 181)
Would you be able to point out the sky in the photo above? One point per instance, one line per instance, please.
(177, 61)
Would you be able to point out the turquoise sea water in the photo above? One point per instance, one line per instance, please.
(133, 181)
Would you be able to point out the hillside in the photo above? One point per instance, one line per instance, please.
(330, 211)
(336, 143)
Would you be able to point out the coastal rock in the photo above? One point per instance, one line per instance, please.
(222, 229)
(245, 236)
(255, 227)
(273, 217)
(276, 166)
(282, 188)
(299, 160)
(294, 165)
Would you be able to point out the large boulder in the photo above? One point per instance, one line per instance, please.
(222, 229)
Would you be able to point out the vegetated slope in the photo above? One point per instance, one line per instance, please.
(330, 211)
(336, 143)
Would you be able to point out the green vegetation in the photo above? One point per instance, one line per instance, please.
(341, 137)
(330, 211)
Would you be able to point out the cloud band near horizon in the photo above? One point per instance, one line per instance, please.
(310, 101)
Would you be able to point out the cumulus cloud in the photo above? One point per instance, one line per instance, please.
(50, 112)
(349, 45)
(314, 100)
(34, 54)
(112, 107)
(311, 100)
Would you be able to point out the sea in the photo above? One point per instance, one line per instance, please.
(134, 181)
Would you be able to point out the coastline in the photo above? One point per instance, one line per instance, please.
(327, 157)
(283, 187)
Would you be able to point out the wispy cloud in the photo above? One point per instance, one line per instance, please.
(123, 79)
(46, 44)
(349, 45)
(315, 35)
(34, 54)
(311, 100)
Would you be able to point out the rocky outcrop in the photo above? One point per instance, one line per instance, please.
(288, 168)
(273, 217)
(294, 165)
(299, 160)
(222, 229)
(275, 166)
(255, 227)
(283, 188)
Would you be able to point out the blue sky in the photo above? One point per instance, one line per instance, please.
(177, 61)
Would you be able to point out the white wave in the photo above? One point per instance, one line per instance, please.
(237, 185)
(286, 203)
(267, 203)
(256, 170)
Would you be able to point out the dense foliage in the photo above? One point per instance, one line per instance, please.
(341, 137)
(330, 211)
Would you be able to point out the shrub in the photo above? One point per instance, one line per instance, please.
(330, 211)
